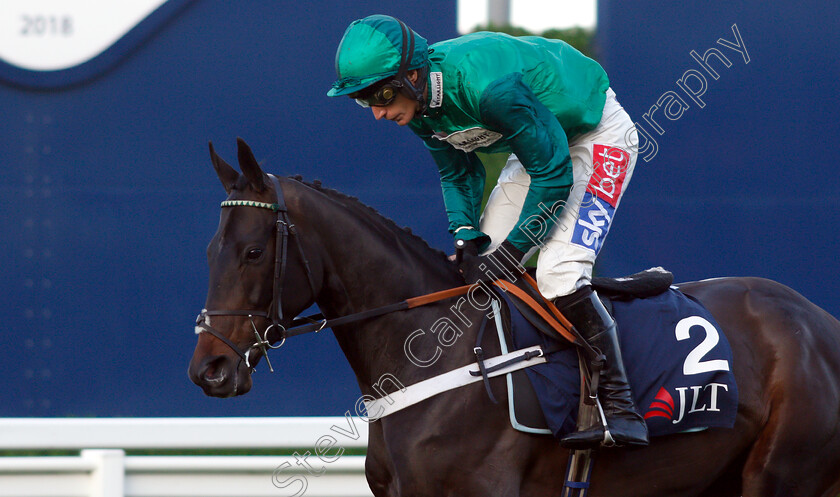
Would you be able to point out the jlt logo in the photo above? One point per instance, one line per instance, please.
(704, 398)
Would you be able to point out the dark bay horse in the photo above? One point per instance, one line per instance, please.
(786, 351)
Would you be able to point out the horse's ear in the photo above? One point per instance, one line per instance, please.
(249, 166)
(227, 174)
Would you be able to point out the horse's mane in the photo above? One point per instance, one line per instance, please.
(369, 212)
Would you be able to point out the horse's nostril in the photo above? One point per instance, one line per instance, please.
(214, 371)
(215, 379)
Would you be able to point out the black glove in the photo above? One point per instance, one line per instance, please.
(504, 263)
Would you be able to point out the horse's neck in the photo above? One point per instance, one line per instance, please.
(368, 262)
(368, 266)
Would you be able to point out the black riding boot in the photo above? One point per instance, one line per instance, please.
(589, 316)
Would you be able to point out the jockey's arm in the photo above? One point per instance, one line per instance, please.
(508, 106)
(462, 178)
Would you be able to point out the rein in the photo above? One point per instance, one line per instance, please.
(284, 229)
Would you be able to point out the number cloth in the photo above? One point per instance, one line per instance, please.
(678, 362)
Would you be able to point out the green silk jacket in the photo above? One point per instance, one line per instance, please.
(491, 92)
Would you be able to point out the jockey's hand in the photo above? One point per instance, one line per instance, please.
(504, 263)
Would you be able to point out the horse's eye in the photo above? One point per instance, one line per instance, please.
(254, 254)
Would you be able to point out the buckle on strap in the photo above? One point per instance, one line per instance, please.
(479, 355)
(263, 344)
(596, 365)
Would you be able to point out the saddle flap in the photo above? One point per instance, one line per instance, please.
(532, 315)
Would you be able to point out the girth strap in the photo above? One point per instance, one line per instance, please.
(465, 375)
(479, 355)
(524, 357)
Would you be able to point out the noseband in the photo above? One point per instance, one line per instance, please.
(283, 230)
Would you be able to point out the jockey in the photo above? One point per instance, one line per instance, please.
(572, 151)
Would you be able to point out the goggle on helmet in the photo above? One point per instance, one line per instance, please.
(375, 43)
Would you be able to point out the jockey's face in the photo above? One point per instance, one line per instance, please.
(401, 110)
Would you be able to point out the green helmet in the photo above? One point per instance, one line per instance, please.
(375, 48)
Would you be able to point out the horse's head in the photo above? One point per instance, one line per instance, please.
(259, 278)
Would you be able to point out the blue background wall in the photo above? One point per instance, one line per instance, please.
(748, 184)
(108, 197)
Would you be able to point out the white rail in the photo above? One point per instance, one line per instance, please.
(316, 467)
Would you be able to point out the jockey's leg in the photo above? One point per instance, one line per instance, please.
(603, 161)
(585, 311)
(504, 206)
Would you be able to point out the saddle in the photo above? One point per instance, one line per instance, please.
(647, 283)
(548, 398)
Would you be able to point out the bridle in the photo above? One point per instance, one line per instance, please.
(284, 229)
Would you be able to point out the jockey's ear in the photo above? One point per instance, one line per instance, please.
(413, 75)
(227, 174)
(249, 165)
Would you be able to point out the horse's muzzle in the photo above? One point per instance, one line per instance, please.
(220, 375)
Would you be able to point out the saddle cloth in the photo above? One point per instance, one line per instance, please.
(678, 364)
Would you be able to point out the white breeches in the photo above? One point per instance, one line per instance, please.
(602, 161)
